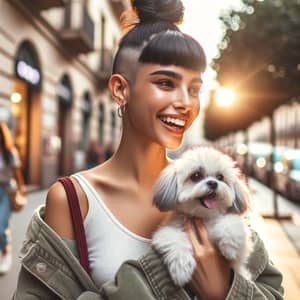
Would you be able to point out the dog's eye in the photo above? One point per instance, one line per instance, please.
(197, 176)
(220, 177)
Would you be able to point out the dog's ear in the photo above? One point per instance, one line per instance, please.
(242, 197)
(165, 189)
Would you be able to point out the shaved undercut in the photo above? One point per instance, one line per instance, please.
(126, 62)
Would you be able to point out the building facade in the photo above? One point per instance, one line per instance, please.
(55, 60)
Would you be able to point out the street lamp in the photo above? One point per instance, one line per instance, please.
(224, 97)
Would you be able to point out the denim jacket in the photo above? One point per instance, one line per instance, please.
(50, 271)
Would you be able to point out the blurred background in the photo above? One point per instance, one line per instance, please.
(55, 62)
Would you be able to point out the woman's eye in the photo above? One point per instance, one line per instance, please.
(194, 91)
(165, 83)
(197, 176)
(220, 177)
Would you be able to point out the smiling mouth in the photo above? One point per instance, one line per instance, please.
(209, 200)
(173, 124)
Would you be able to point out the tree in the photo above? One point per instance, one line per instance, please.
(260, 59)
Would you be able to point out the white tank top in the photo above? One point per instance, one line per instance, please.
(109, 242)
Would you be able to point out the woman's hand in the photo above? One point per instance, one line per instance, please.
(22, 189)
(211, 278)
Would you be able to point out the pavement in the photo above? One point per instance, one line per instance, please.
(18, 225)
(281, 236)
(288, 212)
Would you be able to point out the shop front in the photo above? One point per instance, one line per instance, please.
(26, 111)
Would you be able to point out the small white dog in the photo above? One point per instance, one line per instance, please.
(206, 184)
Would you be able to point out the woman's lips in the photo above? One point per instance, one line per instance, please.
(174, 129)
(173, 124)
(173, 120)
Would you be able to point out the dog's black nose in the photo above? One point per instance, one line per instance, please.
(212, 184)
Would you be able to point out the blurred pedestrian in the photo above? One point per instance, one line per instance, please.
(108, 151)
(93, 155)
(10, 170)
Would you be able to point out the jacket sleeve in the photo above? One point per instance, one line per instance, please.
(29, 287)
(266, 282)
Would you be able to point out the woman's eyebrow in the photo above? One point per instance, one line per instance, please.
(175, 75)
(167, 73)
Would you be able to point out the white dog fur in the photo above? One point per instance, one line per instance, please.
(206, 184)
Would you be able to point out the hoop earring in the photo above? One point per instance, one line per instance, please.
(121, 110)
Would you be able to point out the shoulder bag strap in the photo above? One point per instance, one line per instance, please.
(77, 222)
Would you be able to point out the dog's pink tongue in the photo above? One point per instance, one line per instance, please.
(210, 203)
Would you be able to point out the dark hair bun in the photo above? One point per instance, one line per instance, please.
(159, 10)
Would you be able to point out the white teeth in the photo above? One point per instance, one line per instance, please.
(174, 121)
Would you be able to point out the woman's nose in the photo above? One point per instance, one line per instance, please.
(183, 101)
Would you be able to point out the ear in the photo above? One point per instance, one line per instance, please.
(165, 189)
(242, 197)
(119, 88)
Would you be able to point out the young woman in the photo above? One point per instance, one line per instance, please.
(156, 82)
(10, 168)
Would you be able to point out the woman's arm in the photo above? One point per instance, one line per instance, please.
(213, 271)
(17, 169)
(19, 178)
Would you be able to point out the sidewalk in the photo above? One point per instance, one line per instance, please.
(263, 204)
(19, 222)
(281, 238)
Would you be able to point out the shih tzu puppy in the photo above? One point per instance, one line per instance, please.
(206, 184)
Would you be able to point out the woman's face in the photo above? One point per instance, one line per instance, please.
(163, 103)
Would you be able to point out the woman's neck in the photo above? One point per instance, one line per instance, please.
(138, 161)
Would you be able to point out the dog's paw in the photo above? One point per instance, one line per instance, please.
(181, 268)
(174, 246)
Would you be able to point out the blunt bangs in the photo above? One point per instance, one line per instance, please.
(137, 36)
(174, 48)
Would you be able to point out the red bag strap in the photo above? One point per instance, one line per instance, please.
(77, 222)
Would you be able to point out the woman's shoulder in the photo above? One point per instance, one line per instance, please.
(57, 212)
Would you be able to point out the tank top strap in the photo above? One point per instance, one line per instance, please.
(89, 193)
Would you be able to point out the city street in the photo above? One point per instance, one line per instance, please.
(282, 249)
(66, 86)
